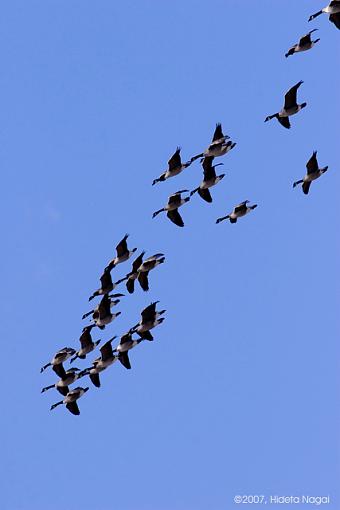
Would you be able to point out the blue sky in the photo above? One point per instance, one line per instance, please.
(238, 394)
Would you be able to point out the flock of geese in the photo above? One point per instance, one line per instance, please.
(102, 314)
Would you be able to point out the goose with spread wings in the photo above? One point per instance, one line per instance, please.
(70, 400)
(240, 210)
(333, 9)
(209, 179)
(290, 107)
(175, 167)
(123, 253)
(171, 208)
(304, 44)
(219, 145)
(313, 172)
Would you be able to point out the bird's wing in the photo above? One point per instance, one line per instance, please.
(175, 198)
(335, 18)
(335, 3)
(95, 380)
(85, 339)
(284, 121)
(124, 359)
(125, 338)
(218, 133)
(208, 169)
(73, 408)
(143, 280)
(59, 370)
(205, 194)
(290, 97)
(122, 246)
(106, 351)
(240, 207)
(175, 217)
(137, 262)
(130, 285)
(306, 39)
(106, 279)
(148, 314)
(63, 390)
(305, 187)
(104, 307)
(175, 160)
(312, 165)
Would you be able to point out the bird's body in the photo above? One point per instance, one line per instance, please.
(150, 318)
(103, 315)
(290, 107)
(210, 179)
(123, 253)
(106, 284)
(59, 357)
(333, 9)
(171, 208)
(218, 146)
(313, 173)
(126, 344)
(106, 359)
(240, 210)
(175, 167)
(86, 343)
(70, 400)
(96, 311)
(304, 44)
(66, 378)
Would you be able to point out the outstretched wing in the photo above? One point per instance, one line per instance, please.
(205, 194)
(143, 280)
(124, 359)
(208, 169)
(148, 314)
(312, 165)
(73, 408)
(284, 121)
(175, 160)
(106, 351)
(241, 208)
(306, 39)
(130, 285)
(95, 380)
(175, 217)
(106, 279)
(305, 187)
(137, 262)
(122, 246)
(335, 18)
(290, 97)
(59, 370)
(104, 307)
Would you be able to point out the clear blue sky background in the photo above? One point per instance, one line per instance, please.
(239, 392)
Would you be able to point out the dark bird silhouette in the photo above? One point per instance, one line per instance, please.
(175, 167)
(209, 180)
(123, 253)
(290, 107)
(304, 44)
(240, 210)
(313, 172)
(174, 202)
(70, 400)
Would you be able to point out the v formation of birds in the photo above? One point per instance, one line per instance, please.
(102, 314)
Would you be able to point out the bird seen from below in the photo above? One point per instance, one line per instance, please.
(304, 44)
(240, 210)
(70, 400)
(175, 167)
(123, 253)
(333, 9)
(174, 202)
(210, 179)
(290, 107)
(313, 172)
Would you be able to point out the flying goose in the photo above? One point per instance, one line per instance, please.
(95, 311)
(66, 378)
(144, 269)
(103, 315)
(175, 167)
(86, 342)
(240, 210)
(290, 107)
(123, 253)
(209, 180)
(150, 318)
(70, 400)
(59, 357)
(100, 364)
(304, 44)
(333, 9)
(313, 172)
(174, 202)
(133, 275)
(106, 284)
(219, 146)
(126, 343)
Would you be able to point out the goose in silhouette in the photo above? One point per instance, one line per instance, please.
(219, 146)
(240, 210)
(147, 266)
(103, 315)
(126, 344)
(95, 311)
(209, 180)
(70, 400)
(174, 202)
(175, 167)
(133, 275)
(60, 356)
(66, 378)
(106, 284)
(333, 9)
(150, 318)
(290, 107)
(86, 342)
(106, 359)
(304, 44)
(123, 253)
(313, 172)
